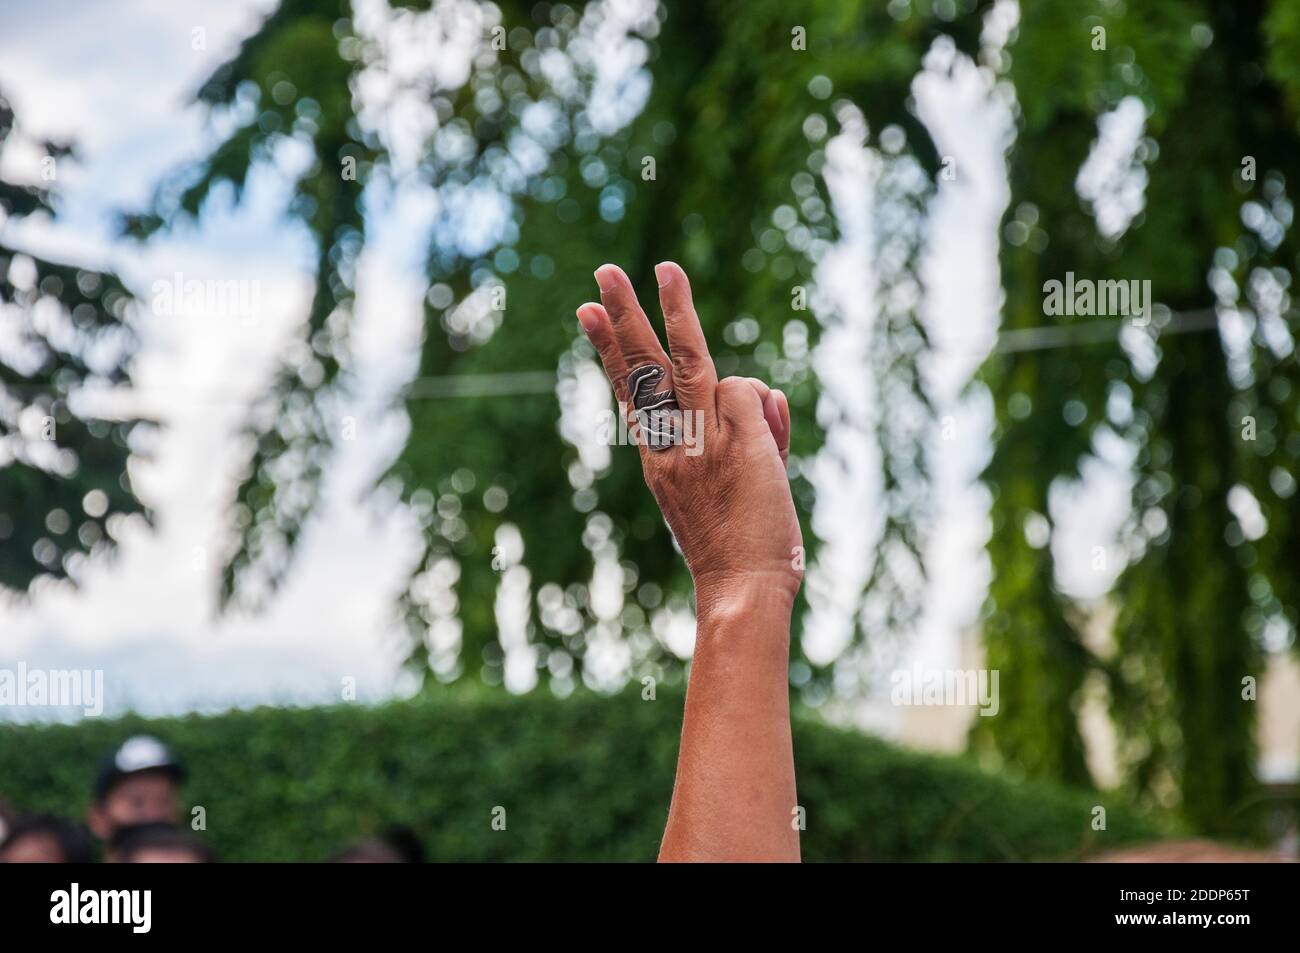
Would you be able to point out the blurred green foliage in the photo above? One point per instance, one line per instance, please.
(1212, 229)
(584, 778)
(735, 122)
(65, 330)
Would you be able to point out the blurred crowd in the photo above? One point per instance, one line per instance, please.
(135, 817)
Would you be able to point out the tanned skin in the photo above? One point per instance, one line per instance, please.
(731, 512)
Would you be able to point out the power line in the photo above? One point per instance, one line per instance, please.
(481, 385)
(1018, 340)
(1014, 341)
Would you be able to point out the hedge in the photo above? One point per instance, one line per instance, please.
(583, 778)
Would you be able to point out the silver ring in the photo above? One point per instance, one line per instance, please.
(657, 413)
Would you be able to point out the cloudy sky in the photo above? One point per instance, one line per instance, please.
(147, 617)
(118, 78)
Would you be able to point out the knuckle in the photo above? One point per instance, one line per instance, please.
(679, 315)
(730, 386)
(660, 471)
(609, 358)
(688, 371)
(618, 309)
(733, 391)
(655, 478)
(640, 357)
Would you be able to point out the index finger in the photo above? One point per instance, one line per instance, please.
(595, 321)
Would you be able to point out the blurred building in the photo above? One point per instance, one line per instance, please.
(945, 728)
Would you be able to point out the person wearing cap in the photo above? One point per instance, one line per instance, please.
(138, 783)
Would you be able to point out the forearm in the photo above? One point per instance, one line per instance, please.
(732, 514)
(734, 798)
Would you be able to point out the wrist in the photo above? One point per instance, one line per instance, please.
(727, 594)
(744, 617)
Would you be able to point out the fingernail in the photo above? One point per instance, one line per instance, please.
(663, 274)
(588, 318)
(605, 278)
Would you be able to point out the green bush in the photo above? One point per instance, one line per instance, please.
(585, 778)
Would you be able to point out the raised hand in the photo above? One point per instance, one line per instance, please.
(713, 453)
